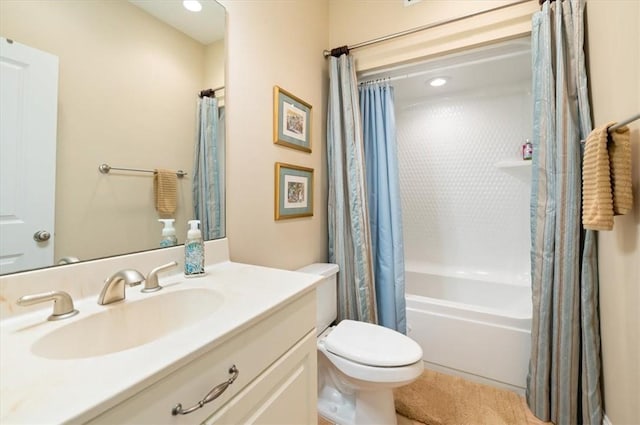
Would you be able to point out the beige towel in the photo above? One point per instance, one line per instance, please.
(165, 189)
(597, 197)
(620, 160)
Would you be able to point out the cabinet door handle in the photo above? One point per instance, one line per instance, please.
(211, 395)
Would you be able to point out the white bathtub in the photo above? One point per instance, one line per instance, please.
(472, 328)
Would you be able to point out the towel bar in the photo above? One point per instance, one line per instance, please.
(105, 168)
(623, 123)
(619, 124)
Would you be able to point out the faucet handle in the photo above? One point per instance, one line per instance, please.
(62, 303)
(151, 282)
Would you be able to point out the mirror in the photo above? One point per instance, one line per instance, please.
(128, 90)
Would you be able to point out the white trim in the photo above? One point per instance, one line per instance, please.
(606, 420)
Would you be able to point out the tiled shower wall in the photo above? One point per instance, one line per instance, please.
(462, 213)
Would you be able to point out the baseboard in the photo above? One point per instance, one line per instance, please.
(606, 420)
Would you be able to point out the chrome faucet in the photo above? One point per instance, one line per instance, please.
(62, 303)
(113, 289)
(151, 282)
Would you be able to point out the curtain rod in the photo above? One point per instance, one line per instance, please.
(345, 49)
(210, 92)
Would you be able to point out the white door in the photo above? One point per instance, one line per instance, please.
(28, 119)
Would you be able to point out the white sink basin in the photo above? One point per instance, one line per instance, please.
(128, 324)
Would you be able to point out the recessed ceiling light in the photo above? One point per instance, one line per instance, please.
(192, 5)
(437, 82)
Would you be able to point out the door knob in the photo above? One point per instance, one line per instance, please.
(41, 236)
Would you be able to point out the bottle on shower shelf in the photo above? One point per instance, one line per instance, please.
(527, 150)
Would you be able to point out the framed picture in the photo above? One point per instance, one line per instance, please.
(294, 191)
(291, 120)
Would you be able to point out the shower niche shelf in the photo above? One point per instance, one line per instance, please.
(513, 163)
(517, 168)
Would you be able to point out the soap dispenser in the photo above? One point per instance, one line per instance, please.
(194, 251)
(168, 233)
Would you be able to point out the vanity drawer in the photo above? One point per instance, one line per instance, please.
(284, 394)
(252, 351)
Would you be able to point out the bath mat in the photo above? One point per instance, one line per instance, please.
(439, 399)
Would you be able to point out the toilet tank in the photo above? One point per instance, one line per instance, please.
(326, 293)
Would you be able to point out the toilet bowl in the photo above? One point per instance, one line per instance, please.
(359, 363)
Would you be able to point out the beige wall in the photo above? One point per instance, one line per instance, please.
(614, 79)
(214, 65)
(275, 42)
(126, 97)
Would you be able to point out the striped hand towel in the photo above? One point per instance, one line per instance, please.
(597, 196)
(165, 189)
(620, 162)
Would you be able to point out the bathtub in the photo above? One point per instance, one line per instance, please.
(475, 328)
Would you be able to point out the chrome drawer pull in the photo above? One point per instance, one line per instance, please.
(211, 395)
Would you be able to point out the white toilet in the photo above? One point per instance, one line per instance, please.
(359, 364)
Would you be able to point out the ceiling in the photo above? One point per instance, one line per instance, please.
(481, 71)
(205, 26)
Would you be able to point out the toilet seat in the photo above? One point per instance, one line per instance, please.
(397, 376)
(371, 345)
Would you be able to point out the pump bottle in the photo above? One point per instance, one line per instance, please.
(194, 251)
(168, 233)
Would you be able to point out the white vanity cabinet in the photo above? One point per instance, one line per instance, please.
(275, 356)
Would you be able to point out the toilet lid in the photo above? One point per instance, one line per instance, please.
(372, 345)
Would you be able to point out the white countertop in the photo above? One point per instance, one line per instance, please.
(37, 390)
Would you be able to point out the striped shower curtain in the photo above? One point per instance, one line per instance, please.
(208, 170)
(349, 233)
(563, 385)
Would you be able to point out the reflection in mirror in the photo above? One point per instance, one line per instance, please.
(106, 81)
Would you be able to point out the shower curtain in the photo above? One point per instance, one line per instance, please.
(208, 169)
(349, 233)
(383, 190)
(563, 384)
